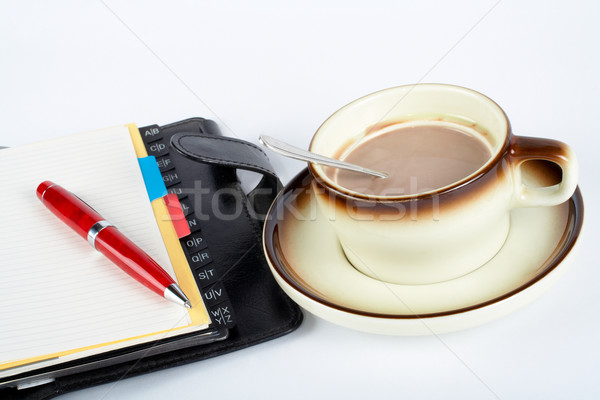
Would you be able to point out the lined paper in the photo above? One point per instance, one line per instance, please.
(56, 292)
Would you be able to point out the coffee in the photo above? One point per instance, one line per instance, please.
(417, 158)
(435, 139)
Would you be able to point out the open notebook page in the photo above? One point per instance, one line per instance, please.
(56, 292)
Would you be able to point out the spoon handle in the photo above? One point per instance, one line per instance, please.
(299, 154)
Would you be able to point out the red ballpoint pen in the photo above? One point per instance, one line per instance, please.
(108, 240)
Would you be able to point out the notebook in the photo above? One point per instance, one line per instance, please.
(60, 300)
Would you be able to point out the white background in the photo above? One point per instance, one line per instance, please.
(281, 69)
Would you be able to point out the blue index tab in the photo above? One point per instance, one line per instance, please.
(155, 186)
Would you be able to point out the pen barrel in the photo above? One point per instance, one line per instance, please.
(69, 208)
(133, 260)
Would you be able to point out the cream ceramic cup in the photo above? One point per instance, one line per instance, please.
(449, 231)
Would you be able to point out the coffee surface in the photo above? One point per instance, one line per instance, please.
(418, 159)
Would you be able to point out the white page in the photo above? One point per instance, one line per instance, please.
(56, 292)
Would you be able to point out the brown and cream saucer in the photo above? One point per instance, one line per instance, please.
(309, 264)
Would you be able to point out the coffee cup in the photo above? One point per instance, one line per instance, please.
(405, 232)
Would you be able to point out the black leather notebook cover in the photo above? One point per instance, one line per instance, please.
(235, 280)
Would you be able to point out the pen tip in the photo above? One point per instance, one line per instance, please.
(174, 293)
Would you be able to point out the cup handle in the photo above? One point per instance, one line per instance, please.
(524, 149)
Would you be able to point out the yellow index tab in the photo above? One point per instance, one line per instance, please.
(185, 279)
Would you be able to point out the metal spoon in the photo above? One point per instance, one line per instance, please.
(294, 152)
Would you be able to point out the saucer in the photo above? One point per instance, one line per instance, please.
(308, 263)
